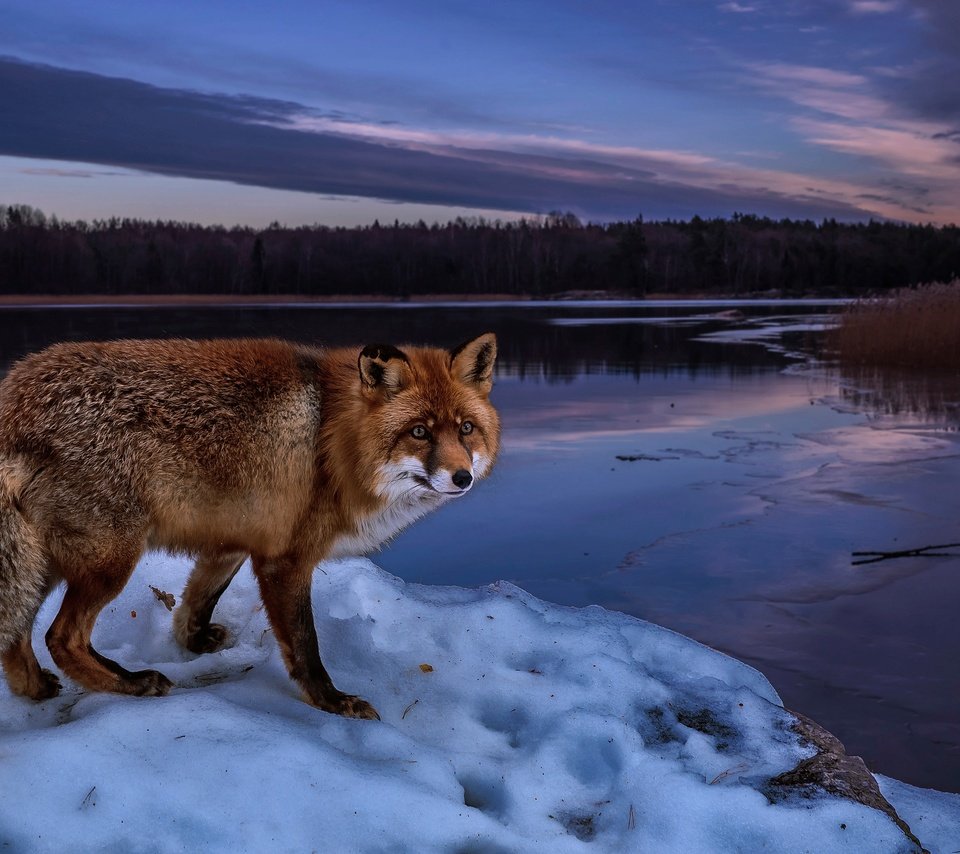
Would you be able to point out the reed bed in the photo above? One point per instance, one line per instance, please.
(912, 328)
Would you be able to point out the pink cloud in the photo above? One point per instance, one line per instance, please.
(874, 7)
(912, 151)
(809, 74)
(903, 148)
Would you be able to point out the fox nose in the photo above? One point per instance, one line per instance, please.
(462, 479)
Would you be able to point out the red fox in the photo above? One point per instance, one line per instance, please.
(223, 450)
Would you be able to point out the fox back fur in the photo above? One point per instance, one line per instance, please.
(224, 450)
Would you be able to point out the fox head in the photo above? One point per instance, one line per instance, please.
(429, 424)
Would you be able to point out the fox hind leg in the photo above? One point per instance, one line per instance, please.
(211, 575)
(68, 638)
(24, 674)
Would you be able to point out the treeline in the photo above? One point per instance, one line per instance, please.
(541, 257)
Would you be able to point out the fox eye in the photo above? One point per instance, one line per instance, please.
(466, 428)
(419, 432)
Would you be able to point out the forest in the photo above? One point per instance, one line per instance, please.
(546, 256)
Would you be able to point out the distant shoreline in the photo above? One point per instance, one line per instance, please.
(231, 299)
(254, 300)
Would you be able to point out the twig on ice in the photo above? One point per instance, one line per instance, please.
(923, 551)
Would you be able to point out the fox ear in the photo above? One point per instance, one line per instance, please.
(383, 368)
(472, 362)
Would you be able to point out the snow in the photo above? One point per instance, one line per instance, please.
(934, 817)
(508, 725)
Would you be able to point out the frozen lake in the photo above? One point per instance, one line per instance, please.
(687, 464)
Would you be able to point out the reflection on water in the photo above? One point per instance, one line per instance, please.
(661, 461)
(532, 344)
(904, 396)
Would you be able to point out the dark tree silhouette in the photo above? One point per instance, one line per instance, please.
(545, 257)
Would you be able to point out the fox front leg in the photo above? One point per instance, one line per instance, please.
(285, 589)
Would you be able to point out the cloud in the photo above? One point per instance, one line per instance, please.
(76, 116)
(806, 74)
(927, 87)
(874, 7)
(854, 114)
(910, 151)
(736, 8)
(70, 173)
(480, 143)
(583, 161)
(838, 93)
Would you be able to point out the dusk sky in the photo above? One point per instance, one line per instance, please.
(339, 113)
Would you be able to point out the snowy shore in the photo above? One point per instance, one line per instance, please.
(509, 725)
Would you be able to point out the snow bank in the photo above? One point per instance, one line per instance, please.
(509, 725)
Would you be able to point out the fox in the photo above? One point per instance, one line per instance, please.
(222, 450)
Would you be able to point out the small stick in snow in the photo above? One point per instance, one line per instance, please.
(89, 800)
(408, 708)
(631, 819)
(724, 774)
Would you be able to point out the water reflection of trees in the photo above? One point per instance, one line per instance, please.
(898, 393)
(531, 346)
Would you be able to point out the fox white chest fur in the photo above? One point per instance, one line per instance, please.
(379, 528)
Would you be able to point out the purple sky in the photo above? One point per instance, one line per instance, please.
(307, 112)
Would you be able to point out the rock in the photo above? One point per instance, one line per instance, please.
(834, 771)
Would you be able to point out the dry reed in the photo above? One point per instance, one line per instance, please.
(912, 328)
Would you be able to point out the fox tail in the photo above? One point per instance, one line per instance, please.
(23, 565)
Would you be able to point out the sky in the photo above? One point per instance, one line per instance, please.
(342, 113)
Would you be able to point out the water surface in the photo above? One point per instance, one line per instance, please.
(686, 463)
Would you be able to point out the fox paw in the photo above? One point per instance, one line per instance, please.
(36, 684)
(350, 707)
(49, 685)
(147, 683)
(354, 707)
(207, 639)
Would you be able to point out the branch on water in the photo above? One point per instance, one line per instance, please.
(922, 551)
